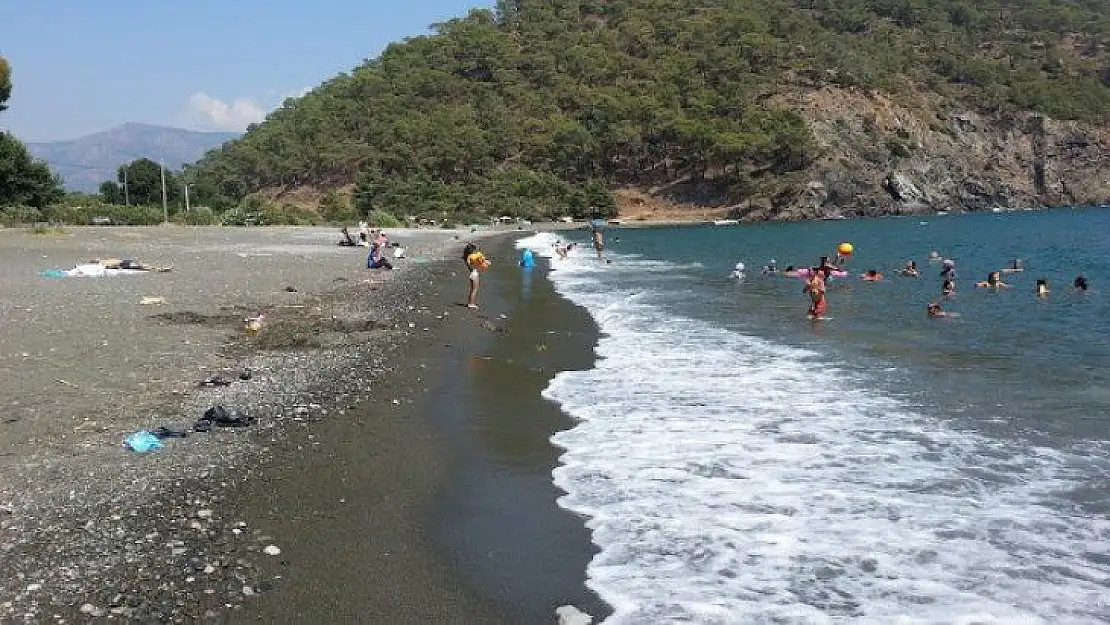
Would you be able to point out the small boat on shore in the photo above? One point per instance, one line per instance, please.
(726, 222)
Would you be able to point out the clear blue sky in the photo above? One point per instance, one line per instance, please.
(79, 66)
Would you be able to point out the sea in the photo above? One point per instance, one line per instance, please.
(736, 462)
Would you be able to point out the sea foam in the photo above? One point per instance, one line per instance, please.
(729, 479)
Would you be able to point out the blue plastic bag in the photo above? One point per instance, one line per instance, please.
(53, 273)
(142, 442)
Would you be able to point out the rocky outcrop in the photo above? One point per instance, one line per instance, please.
(879, 156)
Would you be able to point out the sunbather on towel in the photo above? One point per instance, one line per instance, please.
(133, 265)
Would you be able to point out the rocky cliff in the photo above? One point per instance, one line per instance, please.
(881, 157)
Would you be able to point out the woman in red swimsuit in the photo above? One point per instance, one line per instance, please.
(815, 288)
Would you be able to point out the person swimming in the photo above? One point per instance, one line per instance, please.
(770, 268)
(790, 272)
(948, 287)
(993, 281)
(825, 268)
(934, 310)
(871, 276)
(934, 256)
(911, 270)
(1042, 287)
(738, 271)
(949, 269)
(1080, 283)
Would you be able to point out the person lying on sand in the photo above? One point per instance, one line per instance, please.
(131, 265)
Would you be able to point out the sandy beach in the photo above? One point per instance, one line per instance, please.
(224, 522)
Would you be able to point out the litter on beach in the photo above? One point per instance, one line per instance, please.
(142, 442)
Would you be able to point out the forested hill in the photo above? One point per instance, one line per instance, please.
(774, 108)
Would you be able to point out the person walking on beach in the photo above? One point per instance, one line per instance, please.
(475, 263)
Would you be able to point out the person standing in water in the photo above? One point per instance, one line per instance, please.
(1042, 287)
(815, 288)
(599, 242)
(1080, 283)
(475, 263)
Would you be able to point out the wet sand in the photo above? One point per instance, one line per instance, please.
(381, 474)
(441, 508)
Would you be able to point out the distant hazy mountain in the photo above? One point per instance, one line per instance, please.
(86, 162)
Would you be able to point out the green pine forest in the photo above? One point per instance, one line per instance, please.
(542, 108)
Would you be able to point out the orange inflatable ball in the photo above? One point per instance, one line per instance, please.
(845, 249)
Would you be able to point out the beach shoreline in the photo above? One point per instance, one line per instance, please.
(88, 530)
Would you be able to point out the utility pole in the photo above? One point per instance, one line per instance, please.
(126, 197)
(165, 206)
(187, 185)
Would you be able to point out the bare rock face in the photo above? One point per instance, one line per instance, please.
(879, 156)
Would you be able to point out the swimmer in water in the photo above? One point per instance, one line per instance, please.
(934, 310)
(1015, 266)
(1080, 283)
(815, 288)
(948, 287)
(993, 281)
(1042, 287)
(934, 256)
(871, 276)
(911, 270)
(949, 270)
(770, 268)
(790, 272)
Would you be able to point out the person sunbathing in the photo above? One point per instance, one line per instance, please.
(131, 265)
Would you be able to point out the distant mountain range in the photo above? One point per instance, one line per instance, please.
(86, 162)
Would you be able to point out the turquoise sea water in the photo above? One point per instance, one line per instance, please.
(739, 463)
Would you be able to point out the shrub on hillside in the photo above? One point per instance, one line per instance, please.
(382, 219)
(197, 216)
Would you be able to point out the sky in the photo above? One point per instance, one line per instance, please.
(80, 66)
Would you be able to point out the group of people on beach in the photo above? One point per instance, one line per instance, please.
(374, 239)
(817, 277)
